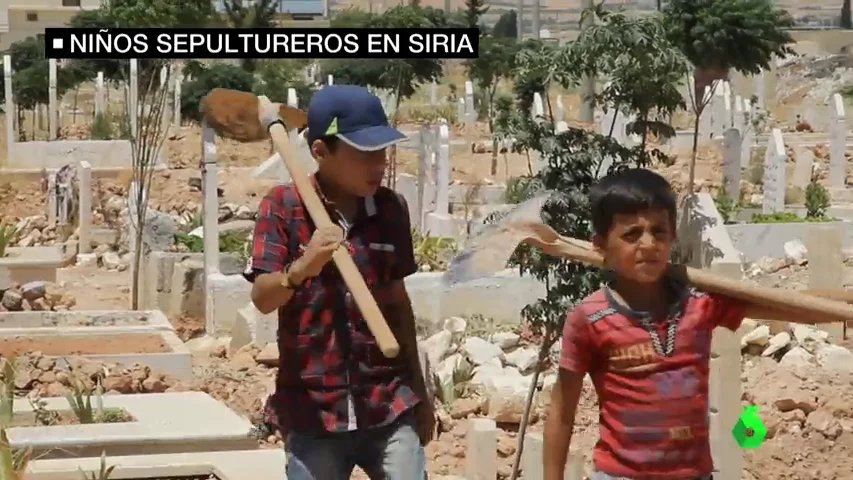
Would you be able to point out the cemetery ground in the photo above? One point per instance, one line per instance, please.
(801, 377)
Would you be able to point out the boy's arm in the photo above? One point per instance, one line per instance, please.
(561, 422)
(575, 360)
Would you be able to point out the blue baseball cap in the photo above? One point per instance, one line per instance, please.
(352, 114)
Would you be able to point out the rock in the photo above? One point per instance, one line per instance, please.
(40, 305)
(87, 259)
(796, 401)
(480, 351)
(797, 357)
(455, 325)
(796, 252)
(809, 337)
(506, 396)
(777, 343)
(505, 340)
(154, 384)
(437, 346)
(824, 423)
(463, 407)
(111, 260)
(523, 358)
(268, 355)
(118, 383)
(760, 336)
(33, 290)
(834, 358)
(12, 300)
(53, 295)
(748, 325)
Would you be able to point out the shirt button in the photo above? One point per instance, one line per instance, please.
(348, 297)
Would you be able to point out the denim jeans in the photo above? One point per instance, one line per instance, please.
(392, 452)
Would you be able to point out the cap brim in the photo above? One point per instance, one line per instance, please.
(375, 138)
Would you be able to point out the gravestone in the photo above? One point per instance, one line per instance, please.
(732, 163)
(802, 167)
(837, 142)
(774, 174)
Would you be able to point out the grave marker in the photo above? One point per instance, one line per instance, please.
(52, 107)
(826, 265)
(732, 163)
(837, 142)
(9, 106)
(132, 103)
(210, 204)
(99, 94)
(774, 174)
(84, 243)
(803, 167)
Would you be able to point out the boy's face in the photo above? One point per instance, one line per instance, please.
(359, 173)
(638, 245)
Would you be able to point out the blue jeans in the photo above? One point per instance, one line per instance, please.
(392, 452)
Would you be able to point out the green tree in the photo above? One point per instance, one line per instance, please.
(351, 17)
(846, 20)
(31, 74)
(644, 70)
(403, 77)
(251, 14)
(507, 25)
(495, 61)
(474, 10)
(718, 36)
(274, 77)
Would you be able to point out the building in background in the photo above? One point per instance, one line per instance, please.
(20, 19)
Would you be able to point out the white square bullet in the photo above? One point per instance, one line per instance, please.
(57, 43)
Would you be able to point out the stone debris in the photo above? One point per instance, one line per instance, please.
(35, 296)
(46, 377)
(800, 346)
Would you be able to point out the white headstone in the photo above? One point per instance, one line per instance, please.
(179, 79)
(775, 175)
(802, 166)
(560, 113)
(53, 105)
(133, 101)
(99, 94)
(837, 142)
(84, 242)
(9, 106)
(732, 163)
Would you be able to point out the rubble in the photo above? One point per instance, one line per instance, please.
(36, 296)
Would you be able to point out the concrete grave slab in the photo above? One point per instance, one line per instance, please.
(163, 423)
(756, 240)
(237, 465)
(63, 344)
(71, 322)
(31, 264)
(58, 153)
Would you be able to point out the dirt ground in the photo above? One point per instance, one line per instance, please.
(90, 345)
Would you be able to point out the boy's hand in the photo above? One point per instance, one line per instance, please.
(425, 421)
(317, 254)
(268, 112)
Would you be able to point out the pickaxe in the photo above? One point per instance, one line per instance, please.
(489, 250)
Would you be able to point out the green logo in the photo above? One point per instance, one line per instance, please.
(749, 431)
(333, 127)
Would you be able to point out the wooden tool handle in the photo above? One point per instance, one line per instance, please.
(776, 298)
(343, 260)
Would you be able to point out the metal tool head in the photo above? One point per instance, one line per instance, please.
(488, 251)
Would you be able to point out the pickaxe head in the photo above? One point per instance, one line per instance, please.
(488, 251)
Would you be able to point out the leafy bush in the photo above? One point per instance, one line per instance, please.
(7, 235)
(433, 253)
(231, 242)
(786, 217)
(101, 129)
(817, 200)
(205, 79)
(727, 207)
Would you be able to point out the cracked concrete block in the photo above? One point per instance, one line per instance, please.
(482, 452)
(252, 326)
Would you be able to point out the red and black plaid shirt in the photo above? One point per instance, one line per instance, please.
(330, 365)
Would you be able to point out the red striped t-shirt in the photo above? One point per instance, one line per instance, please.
(653, 419)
